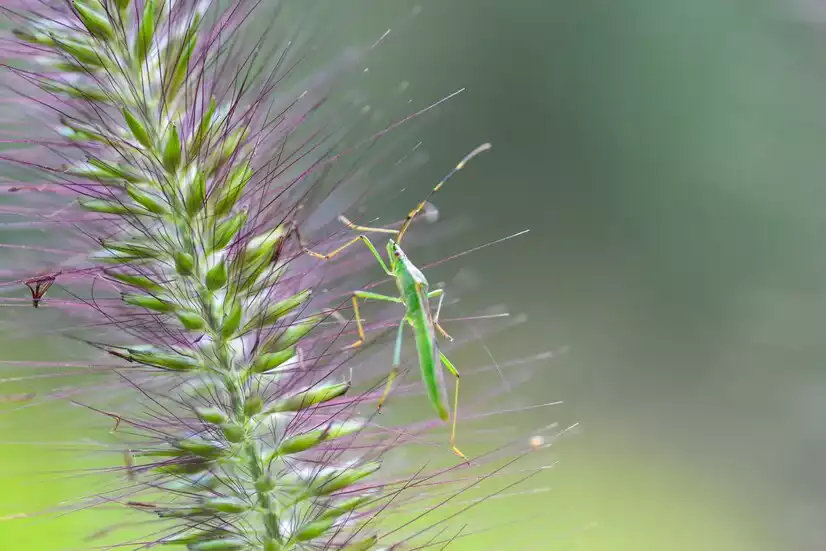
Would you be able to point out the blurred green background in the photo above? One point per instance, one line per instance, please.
(667, 158)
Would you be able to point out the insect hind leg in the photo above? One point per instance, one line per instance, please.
(358, 325)
(397, 354)
(455, 372)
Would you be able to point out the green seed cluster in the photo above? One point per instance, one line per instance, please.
(186, 252)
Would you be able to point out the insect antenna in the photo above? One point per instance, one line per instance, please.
(420, 207)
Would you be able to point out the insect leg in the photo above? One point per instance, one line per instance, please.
(352, 226)
(366, 295)
(390, 378)
(450, 367)
(441, 294)
(375, 296)
(396, 361)
(397, 351)
(358, 324)
(356, 239)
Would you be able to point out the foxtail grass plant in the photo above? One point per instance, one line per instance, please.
(186, 170)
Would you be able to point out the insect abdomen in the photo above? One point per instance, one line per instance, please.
(430, 364)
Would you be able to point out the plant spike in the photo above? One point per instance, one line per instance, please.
(188, 174)
(178, 195)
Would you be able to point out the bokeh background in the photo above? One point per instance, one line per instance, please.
(668, 158)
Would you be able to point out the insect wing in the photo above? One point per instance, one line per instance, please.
(38, 287)
(438, 370)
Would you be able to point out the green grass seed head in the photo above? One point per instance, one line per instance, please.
(243, 433)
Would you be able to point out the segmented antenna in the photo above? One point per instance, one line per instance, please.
(420, 207)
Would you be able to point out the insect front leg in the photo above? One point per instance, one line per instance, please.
(356, 239)
(365, 295)
(441, 294)
(450, 367)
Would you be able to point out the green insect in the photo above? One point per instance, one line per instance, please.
(415, 296)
